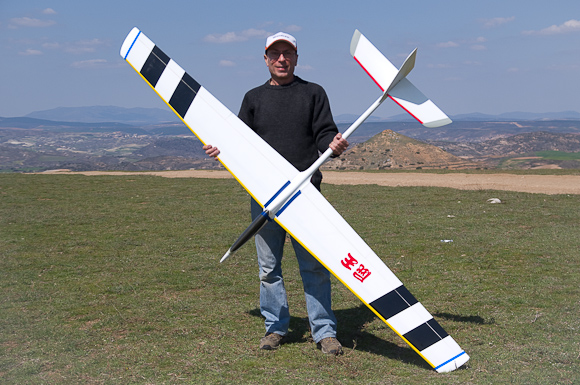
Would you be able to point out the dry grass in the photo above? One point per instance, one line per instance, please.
(115, 279)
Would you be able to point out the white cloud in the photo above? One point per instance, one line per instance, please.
(30, 52)
(248, 34)
(227, 63)
(566, 27)
(448, 44)
(292, 28)
(97, 64)
(235, 37)
(496, 21)
(94, 63)
(83, 46)
(76, 47)
(252, 33)
(228, 37)
(474, 44)
(49, 11)
(30, 22)
(477, 45)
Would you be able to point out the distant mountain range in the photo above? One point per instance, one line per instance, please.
(64, 126)
(97, 114)
(150, 116)
(113, 138)
(465, 128)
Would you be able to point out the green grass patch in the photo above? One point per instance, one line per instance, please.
(559, 155)
(115, 279)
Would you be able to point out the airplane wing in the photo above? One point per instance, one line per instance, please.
(254, 163)
(313, 221)
(307, 216)
(402, 91)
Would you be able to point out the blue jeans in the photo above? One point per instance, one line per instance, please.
(315, 279)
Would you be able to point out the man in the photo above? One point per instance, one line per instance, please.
(294, 117)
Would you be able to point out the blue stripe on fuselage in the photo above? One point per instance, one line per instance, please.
(278, 193)
(288, 203)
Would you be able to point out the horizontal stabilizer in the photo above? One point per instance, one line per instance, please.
(394, 82)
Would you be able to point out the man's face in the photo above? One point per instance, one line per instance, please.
(281, 59)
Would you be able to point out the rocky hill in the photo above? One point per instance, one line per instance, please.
(391, 150)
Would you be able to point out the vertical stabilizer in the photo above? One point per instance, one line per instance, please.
(394, 81)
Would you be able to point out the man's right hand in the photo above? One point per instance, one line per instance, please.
(211, 151)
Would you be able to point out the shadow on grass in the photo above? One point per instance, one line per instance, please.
(462, 318)
(351, 335)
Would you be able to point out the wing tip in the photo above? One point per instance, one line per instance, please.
(354, 42)
(128, 42)
(438, 123)
(453, 364)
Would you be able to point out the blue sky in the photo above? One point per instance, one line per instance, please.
(473, 56)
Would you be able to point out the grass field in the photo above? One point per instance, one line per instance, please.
(566, 160)
(558, 155)
(116, 280)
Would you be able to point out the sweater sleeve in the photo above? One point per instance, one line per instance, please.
(246, 113)
(323, 126)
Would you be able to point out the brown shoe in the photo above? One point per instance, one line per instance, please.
(330, 345)
(271, 341)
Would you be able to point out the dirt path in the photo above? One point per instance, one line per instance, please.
(544, 184)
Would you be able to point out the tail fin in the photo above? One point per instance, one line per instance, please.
(394, 82)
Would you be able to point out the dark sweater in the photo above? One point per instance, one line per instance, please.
(295, 119)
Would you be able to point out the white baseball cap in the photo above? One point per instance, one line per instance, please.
(281, 36)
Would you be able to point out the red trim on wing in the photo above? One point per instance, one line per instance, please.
(368, 73)
(409, 112)
(382, 89)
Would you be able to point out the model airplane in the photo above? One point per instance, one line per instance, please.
(289, 198)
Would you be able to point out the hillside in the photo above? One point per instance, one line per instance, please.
(527, 150)
(514, 145)
(464, 131)
(391, 150)
(30, 144)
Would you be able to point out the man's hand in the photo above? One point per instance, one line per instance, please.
(211, 151)
(338, 144)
